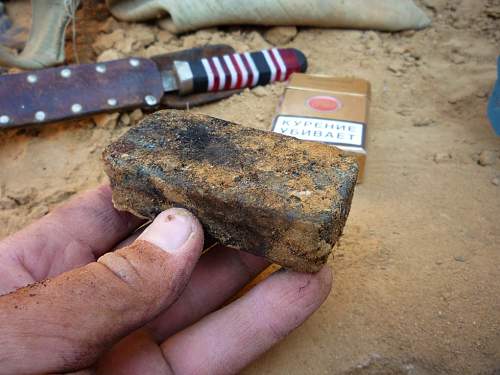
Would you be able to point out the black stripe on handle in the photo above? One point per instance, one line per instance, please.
(263, 67)
(200, 77)
(246, 70)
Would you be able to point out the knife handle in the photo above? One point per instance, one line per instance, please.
(65, 92)
(237, 71)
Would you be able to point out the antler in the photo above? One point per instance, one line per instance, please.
(45, 46)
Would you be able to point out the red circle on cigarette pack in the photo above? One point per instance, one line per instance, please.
(324, 103)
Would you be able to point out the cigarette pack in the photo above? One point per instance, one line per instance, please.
(326, 109)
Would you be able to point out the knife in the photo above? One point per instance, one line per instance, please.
(80, 90)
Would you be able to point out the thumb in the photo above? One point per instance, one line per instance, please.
(65, 323)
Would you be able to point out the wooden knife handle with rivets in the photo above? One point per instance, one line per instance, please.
(78, 90)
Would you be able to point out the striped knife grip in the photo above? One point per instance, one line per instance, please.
(237, 71)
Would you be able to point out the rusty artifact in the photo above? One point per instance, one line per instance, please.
(268, 194)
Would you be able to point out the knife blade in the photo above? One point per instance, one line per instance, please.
(73, 91)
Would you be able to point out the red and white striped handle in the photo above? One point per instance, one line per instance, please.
(237, 71)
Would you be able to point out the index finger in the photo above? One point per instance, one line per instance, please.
(228, 340)
(71, 236)
(239, 333)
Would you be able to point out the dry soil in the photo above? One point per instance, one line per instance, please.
(417, 273)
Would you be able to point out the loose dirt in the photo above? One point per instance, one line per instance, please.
(417, 273)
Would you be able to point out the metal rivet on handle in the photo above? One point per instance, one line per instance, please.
(100, 68)
(76, 108)
(32, 78)
(134, 62)
(150, 100)
(40, 116)
(65, 73)
(4, 119)
(112, 102)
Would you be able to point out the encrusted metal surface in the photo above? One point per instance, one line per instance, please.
(268, 194)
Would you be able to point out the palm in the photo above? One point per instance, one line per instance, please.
(185, 337)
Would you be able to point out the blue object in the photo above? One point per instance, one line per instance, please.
(5, 23)
(494, 105)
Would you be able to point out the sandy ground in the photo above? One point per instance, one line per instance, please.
(417, 273)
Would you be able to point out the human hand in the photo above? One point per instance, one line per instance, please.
(151, 307)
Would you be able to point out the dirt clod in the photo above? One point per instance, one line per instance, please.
(422, 123)
(110, 55)
(486, 158)
(136, 115)
(442, 157)
(106, 120)
(280, 35)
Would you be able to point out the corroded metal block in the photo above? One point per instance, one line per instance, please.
(271, 195)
